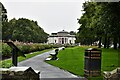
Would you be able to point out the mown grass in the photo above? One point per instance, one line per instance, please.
(110, 59)
(72, 60)
(8, 62)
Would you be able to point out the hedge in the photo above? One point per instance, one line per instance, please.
(25, 48)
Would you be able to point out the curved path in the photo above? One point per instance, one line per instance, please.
(46, 70)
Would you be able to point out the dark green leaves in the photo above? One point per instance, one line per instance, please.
(24, 30)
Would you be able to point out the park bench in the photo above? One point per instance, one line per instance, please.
(54, 55)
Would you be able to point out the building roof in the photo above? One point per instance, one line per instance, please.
(63, 31)
(62, 36)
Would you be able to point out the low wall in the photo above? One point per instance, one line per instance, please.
(112, 75)
(19, 73)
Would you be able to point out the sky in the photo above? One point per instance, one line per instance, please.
(51, 15)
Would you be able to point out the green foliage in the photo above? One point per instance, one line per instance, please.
(86, 34)
(6, 50)
(25, 48)
(24, 30)
(100, 22)
(6, 63)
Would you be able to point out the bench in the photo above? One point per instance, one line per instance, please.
(53, 55)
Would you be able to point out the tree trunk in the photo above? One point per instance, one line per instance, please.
(105, 42)
(119, 43)
(115, 43)
(108, 42)
(100, 40)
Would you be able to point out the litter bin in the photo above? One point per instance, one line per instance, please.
(92, 65)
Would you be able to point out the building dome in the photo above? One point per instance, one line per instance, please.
(63, 31)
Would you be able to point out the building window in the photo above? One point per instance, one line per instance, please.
(55, 41)
(65, 40)
(70, 41)
(62, 40)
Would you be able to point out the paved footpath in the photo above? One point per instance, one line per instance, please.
(46, 70)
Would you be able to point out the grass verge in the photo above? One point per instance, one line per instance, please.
(72, 60)
(8, 62)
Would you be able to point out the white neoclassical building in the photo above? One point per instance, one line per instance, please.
(61, 37)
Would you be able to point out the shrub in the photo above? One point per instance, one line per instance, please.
(26, 47)
(6, 50)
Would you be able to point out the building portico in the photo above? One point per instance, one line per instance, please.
(62, 37)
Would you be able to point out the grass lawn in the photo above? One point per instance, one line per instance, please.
(8, 62)
(72, 60)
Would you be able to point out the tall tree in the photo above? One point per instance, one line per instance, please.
(24, 30)
(103, 19)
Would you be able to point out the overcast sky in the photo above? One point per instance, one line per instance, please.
(51, 15)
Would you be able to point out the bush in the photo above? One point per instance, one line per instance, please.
(6, 50)
(25, 48)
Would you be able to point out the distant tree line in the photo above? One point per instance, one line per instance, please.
(24, 30)
(100, 22)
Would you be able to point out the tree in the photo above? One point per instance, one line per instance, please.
(3, 19)
(24, 30)
(103, 19)
(86, 30)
